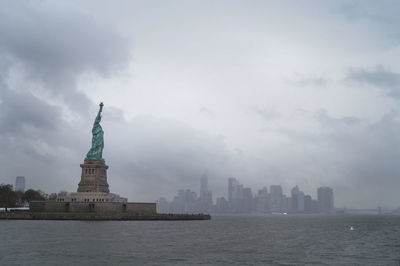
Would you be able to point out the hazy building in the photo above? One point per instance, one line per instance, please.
(308, 203)
(237, 202)
(235, 195)
(232, 188)
(300, 201)
(247, 205)
(203, 186)
(294, 200)
(185, 202)
(20, 183)
(285, 203)
(276, 198)
(222, 205)
(206, 201)
(297, 200)
(315, 205)
(325, 199)
(262, 201)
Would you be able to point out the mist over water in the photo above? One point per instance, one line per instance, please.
(224, 240)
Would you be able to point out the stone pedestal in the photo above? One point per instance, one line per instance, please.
(94, 177)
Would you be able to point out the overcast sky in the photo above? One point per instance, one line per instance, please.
(271, 92)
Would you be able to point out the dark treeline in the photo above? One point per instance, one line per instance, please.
(10, 198)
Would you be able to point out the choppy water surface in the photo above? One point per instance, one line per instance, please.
(225, 240)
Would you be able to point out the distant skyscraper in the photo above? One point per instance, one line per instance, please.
(308, 205)
(222, 205)
(325, 199)
(185, 202)
(247, 200)
(20, 183)
(277, 198)
(240, 199)
(206, 201)
(297, 200)
(232, 188)
(203, 186)
(262, 201)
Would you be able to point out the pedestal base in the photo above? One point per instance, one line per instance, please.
(94, 177)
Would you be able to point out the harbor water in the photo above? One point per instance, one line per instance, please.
(223, 240)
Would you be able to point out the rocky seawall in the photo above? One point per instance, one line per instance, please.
(101, 216)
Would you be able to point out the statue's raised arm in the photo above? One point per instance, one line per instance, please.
(101, 107)
(98, 117)
(96, 151)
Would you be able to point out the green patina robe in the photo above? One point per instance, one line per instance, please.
(96, 151)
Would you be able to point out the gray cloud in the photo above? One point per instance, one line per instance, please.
(384, 12)
(60, 40)
(317, 81)
(381, 17)
(206, 111)
(23, 109)
(327, 121)
(53, 44)
(314, 81)
(378, 77)
(267, 113)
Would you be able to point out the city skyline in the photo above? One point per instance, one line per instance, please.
(241, 199)
(207, 198)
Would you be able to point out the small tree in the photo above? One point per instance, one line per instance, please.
(8, 197)
(63, 193)
(20, 198)
(53, 196)
(32, 195)
(43, 194)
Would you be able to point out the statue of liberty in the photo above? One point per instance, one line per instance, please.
(96, 151)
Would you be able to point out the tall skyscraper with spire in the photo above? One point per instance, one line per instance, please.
(205, 194)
